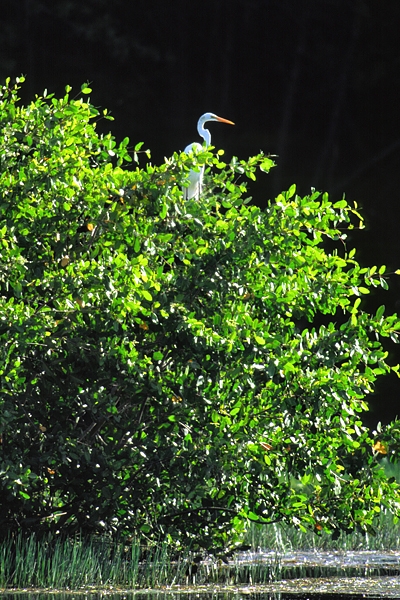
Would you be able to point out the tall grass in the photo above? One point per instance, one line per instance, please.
(75, 563)
(29, 562)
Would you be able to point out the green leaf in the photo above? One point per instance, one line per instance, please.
(164, 211)
(340, 204)
(146, 295)
(251, 515)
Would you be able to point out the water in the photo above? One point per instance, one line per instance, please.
(319, 563)
(366, 572)
(199, 595)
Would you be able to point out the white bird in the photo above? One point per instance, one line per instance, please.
(195, 178)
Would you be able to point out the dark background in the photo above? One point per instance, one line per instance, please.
(316, 82)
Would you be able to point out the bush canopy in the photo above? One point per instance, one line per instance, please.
(174, 369)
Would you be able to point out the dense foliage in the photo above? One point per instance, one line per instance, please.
(175, 369)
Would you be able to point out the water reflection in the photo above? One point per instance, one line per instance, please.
(319, 563)
(305, 589)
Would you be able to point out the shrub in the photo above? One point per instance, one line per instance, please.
(173, 369)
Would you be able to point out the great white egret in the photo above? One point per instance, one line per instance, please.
(195, 178)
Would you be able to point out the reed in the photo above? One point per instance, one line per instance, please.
(53, 562)
(98, 563)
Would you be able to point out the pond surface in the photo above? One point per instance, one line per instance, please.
(366, 572)
(300, 590)
(318, 563)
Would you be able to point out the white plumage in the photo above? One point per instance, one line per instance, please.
(195, 178)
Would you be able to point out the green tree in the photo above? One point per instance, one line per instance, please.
(162, 372)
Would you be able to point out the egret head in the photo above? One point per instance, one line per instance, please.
(211, 117)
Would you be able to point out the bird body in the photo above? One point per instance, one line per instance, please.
(195, 178)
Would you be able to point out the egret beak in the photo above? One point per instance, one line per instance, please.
(224, 120)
